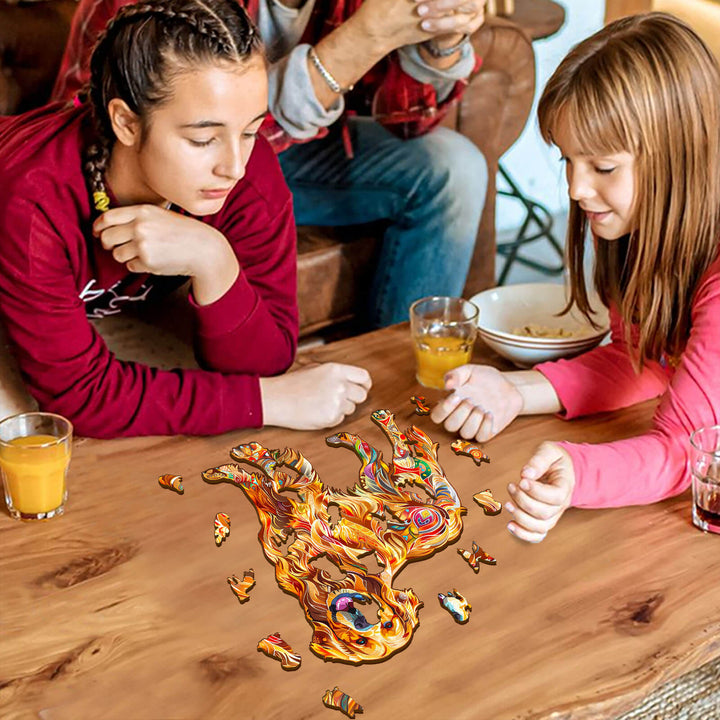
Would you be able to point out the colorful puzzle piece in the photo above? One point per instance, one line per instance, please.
(456, 605)
(275, 647)
(222, 528)
(172, 482)
(464, 447)
(421, 406)
(241, 588)
(397, 511)
(338, 700)
(477, 555)
(487, 502)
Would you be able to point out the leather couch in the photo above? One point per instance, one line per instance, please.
(334, 264)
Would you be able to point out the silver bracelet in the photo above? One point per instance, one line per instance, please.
(438, 52)
(333, 84)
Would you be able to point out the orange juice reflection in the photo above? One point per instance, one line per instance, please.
(34, 473)
(437, 355)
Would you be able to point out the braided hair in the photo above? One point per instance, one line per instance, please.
(141, 47)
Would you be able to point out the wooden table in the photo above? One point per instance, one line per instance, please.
(120, 609)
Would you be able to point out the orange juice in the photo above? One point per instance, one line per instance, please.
(436, 355)
(34, 475)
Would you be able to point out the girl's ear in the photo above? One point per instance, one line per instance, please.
(125, 123)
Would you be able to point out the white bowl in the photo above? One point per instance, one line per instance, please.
(509, 307)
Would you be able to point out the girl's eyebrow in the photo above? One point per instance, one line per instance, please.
(215, 123)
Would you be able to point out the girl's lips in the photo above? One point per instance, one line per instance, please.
(215, 194)
(596, 216)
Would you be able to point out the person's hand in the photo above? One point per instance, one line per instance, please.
(543, 494)
(390, 24)
(449, 20)
(482, 402)
(151, 239)
(314, 397)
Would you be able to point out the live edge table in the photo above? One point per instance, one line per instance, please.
(121, 609)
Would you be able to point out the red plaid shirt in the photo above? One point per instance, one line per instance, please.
(404, 105)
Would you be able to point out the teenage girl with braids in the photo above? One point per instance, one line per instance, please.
(635, 113)
(160, 177)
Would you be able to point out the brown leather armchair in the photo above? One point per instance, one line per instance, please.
(334, 264)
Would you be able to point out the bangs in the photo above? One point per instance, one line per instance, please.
(595, 108)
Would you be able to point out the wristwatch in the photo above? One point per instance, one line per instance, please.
(438, 52)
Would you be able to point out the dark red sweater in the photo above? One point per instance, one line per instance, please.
(54, 273)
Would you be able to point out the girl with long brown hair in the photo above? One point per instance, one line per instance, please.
(635, 112)
(157, 179)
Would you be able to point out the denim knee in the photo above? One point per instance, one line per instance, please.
(456, 173)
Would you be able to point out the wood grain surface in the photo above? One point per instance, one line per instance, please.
(120, 609)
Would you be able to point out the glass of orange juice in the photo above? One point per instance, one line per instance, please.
(443, 331)
(35, 452)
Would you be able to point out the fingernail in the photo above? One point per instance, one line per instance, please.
(524, 484)
(509, 507)
(511, 528)
(511, 487)
(425, 25)
(423, 10)
(529, 472)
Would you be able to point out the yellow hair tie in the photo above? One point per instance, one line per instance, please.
(101, 201)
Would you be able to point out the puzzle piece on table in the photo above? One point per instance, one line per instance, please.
(275, 647)
(421, 406)
(487, 502)
(241, 588)
(464, 447)
(222, 528)
(456, 605)
(172, 482)
(338, 700)
(477, 555)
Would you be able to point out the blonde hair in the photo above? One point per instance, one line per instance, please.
(649, 86)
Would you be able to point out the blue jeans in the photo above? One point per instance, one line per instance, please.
(431, 189)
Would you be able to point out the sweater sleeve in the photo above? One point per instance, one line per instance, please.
(603, 379)
(654, 466)
(69, 369)
(253, 327)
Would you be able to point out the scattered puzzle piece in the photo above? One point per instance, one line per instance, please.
(487, 502)
(172, 482)
(241, 588)
(465, 447)
(338, 700)
(275, 647)
(456, 605)
(421, 406)
(222, 528)
(478, 555)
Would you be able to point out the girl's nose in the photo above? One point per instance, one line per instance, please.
(579, 186)
(232, 164)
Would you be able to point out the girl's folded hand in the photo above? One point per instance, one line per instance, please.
(543, 494)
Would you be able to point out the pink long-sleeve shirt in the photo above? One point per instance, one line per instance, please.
(54, 275)
(653, 466)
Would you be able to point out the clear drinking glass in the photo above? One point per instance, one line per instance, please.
(705, 470)
(443, 331)
(35, 451)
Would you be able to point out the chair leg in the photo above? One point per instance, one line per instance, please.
(536, 213)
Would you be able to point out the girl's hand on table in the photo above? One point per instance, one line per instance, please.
(151, 239)
(543, 494)
(315, 397)
(482, 402)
